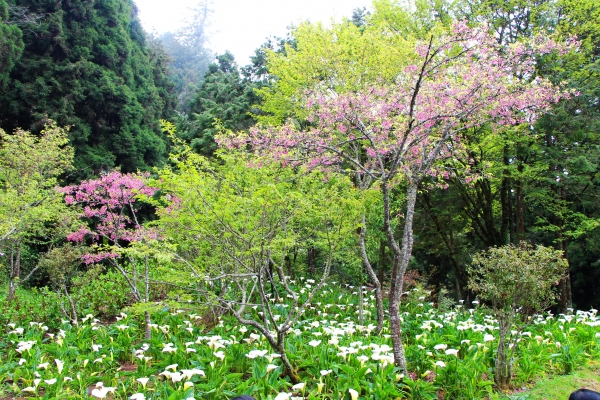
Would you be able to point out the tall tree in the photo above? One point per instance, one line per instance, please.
(343, 58)
(30, 206)
(11, 44)
(87, 64)
(399, 133)
(225, 100)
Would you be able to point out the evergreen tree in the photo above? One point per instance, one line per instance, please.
(11, 44)
(87, 64)
(224, 99)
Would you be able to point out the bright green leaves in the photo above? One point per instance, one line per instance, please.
(343, 58)
(227, 216)
(29, 168)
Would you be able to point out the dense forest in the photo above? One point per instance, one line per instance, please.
(89, 67)
(422, 174)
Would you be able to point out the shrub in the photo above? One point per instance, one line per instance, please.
(516, 281)
(35, 305)
(103, 295)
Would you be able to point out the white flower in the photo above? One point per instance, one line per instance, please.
(488, 338)
(314, 343)
(298, 386)
(440, 364)
(221, 355)
(172, 367)
(452, 352)
(353, 394)
(96, 347)
(102, 391)
(362, 359)
(59, 365)
(440, 346)
(256, 353)
(143, 381)
(283, 396)
(271, 367)
(24, 346)
(188, 385)
(50, 381)
(189, 373)
(326, 372)
(169, 348)
(176, 377)
(137, 396)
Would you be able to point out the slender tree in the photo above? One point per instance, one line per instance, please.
(399, 133)
(30, 206)
(110, 202)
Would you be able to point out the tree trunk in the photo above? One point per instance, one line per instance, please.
(505, 199)
(72, 305)
(520, 209)
(15, 270)
(288, 266)
(368, 267)
(361, 303)
(381, 270)
(311, 260)
(287, 365)
(564, 286)
(503, 364)
(148, 332)
(401, 260)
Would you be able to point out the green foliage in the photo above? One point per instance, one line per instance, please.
(87, 64)
(343, 58)
(11, 44)
(35, 305)
(32, 211)
(517, 279)
(102, 294)
(227, 216)
(224, 100)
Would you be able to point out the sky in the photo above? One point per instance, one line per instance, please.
(241, 26)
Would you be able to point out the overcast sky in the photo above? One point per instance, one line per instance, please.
(241, 26)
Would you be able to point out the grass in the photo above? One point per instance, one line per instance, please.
(561, 386)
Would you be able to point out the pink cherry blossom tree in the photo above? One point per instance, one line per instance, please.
(408, 131)
(110, 205)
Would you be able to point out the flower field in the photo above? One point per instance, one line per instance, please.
(450, 354)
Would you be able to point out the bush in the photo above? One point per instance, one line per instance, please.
(35, 305)
(517, 281)
(103, 295)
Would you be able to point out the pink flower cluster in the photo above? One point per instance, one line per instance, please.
(110, 202)
(460, 82)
